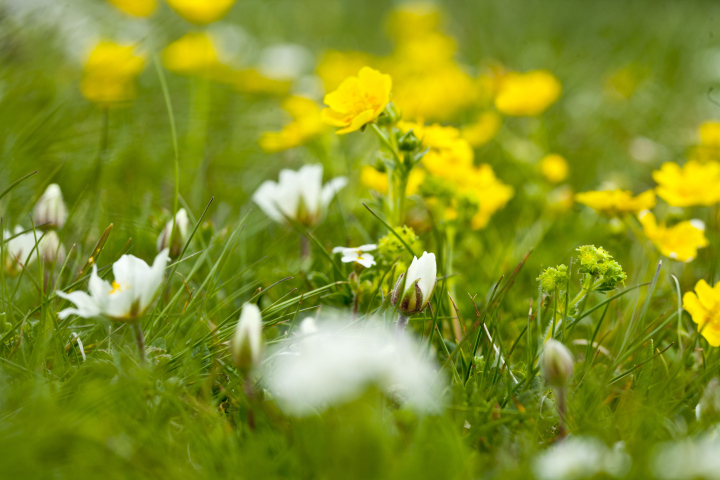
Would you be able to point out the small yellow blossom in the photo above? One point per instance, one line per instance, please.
(412, 20)
(679, 242)
(378, 181)
(616, 202)
(709, 133)
(110, 73)
(191, 54)
(306, 126)
(703, 305)
(136, 8)
(483, 129)
(527, 94)
(694, 183)
(448, 155)
(201, 11)
(335, 66)
(357, 101)
(491, 194)
(555, 168)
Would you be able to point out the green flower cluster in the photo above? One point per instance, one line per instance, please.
(599, 264)
(554, 277)
(390, 247)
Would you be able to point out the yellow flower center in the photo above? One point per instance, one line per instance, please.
(116, 287)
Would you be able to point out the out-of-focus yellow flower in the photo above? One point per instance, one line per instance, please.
(378, 181)
(201, 12)
(616, 202)
(679, 242)
(253, 82)
(357, 101)
(555, 168)
(412, 20)
(334, 67)
(703, 305)
(561, 199)
(709, 133)
(136, 8)
(527, 94)
(306, 126)
(449, 154)
(191, 54)
(110, 73)
(695, 183)
(490, 193)
(483, 129)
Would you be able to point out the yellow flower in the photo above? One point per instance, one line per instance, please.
(555, 168)
(137, 8)
(616, 202)
(414, 19)
(306, 125)
(191, 54)
(378, 181)
(334, 67)
(695, 183)
(483, 129)
(201, 11)
(357, 101)
(679, 242)
(110, 72)
(448, 155)
(709, 133)
(527, 94)
(490, 193)
(703, 305)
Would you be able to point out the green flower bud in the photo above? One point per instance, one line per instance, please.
(553, 277)
(556, 363)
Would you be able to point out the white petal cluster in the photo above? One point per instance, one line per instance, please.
(331, 364)
(420, 280)
(689, 458)
(50, 209)
(182, 229)
(132, 291)
(20, 250)
(357, 255)
(576, 458)
(246, 345)
(298, 195)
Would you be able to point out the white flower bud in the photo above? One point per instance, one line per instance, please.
(182, 227)
(246, 346)
(51, 250)
(419, 280)
(50, 210)
(556, 363)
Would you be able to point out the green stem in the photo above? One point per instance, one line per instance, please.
(140, 340)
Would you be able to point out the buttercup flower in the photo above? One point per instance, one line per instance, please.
(131, 293)
(201, 11)
(299, 195)
(554, 168)
(19, 251)
(357, 101)
(679, 242)
(335, 67)
(419, 282)
(378, 181)
(709, 133)
(694, 183)
(179, 238)
(136, 8)
(357, 255)
(527, 94)
(110, 72)
(192, 54)
(306, 126)
(616, 202)
(246, 345)
(703, 305)
(482, 130)
(50, 209)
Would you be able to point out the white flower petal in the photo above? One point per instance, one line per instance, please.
(85, 306)
(331, 189)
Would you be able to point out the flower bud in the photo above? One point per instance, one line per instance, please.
(50, 210)
(414, 288)
(179, 237)
(246, 345)
(556, 363)
(51, 250)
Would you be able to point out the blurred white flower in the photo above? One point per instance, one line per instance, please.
(420, 280)
(50, 209)
(357, 255)
(299, 195)
(182, 227)
(132, 291)
(581, 457)
(20, 250)
(246, 346)
(556, 363)
(335, 364)
(51, 250)
(286, 61)
(689, 458)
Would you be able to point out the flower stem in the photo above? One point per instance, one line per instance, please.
(562, 411)
(140, 340)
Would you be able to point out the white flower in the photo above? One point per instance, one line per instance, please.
(298, 195)
(335, 364)
(18, 249)
(556, 363)
(419, 280)
(246, 346)
(285, 61)
(581, 457)
(182, 226)
(357, 255)
(132, 291)
(51, 250)
(50, 210)
(688, 458)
